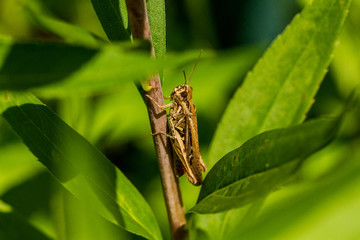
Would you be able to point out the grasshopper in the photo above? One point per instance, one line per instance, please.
(184, 132)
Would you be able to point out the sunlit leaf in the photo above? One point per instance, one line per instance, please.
(262, 163)
(219, 225)
(156, 15)
(75, 218)
(327, 208)
(345, 65)
(280, 89)
(78, 166)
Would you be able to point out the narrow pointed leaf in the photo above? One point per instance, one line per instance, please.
(69, 68)
(112, 15)
(156, 15)
(280, 89)
(77, 165)
(261, 164)
(70, 33)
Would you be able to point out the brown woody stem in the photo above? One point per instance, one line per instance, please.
(140, 28)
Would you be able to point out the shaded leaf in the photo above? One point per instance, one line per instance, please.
(32, 197)
(70, 33)
(262, 163)
(78, 166)
(36, 191)
(69, 68)
(111, 14)
(13, 227)
(26, 65)
(14, 172)
(280, 89)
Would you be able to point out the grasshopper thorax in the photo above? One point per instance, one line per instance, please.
(182, 92)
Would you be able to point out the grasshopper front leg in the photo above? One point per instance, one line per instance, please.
(161, 107)
(168, 135)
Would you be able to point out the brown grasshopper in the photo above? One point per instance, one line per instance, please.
(184, 132)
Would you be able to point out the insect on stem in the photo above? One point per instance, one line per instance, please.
(183, 132)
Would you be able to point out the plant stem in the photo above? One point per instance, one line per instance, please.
(140, 28)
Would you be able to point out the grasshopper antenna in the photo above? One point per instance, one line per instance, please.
(194, 67)
(184, 75)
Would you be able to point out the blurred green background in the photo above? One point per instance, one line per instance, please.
(236, 31)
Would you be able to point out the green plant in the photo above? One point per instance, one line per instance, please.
(260, 144)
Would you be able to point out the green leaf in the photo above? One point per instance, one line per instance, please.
(327, 208)
(77, 222)
(26, 65)
(13, 227)
(345, 66)
(105, 118)
(218, 225)
(156, 15)
(40, 186)
(78, 166)
(13, 172)
(69, 68)
(280, 89)
(33, 198)
(112, 15)
(261, 164)
(70, 33)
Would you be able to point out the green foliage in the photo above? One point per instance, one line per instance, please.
(297, 60)
(261, 164)
(77, 68)
(110, 14)
(80, 167)
(260, 145)
(324, 196)
(18, 228)
(70, 33)
(156, 13)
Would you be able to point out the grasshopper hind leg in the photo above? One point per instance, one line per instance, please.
(180, 170)
(178, 167)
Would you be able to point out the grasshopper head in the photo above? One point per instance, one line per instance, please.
(182, 92)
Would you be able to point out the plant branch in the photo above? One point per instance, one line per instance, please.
(140, 28)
